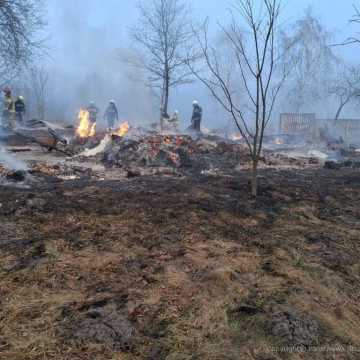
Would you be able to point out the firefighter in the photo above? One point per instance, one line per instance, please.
(111, 115)
(8, 109)
(93, 111)
(20, 109)
(196, 117)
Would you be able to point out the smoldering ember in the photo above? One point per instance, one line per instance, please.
(179, 181)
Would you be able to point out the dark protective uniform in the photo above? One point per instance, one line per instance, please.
(111, 115)
(93, 113)
(20, 110)
(196, 118)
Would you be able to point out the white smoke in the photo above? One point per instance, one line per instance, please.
(11, 162)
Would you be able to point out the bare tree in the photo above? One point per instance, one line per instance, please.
(313, 59)
(346, 88)
(20, 23)
(39, 80)
(258, 66)
(164, 36)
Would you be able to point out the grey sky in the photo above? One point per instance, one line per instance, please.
(100, 13)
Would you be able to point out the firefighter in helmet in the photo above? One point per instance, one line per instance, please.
(20, 109)
(8, 109)
(111, 115)
(196, 117)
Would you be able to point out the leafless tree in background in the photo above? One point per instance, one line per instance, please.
(39, 81)
(258, 64)
(346, 88)
(310, 51)
(164, 36)
(20, 23)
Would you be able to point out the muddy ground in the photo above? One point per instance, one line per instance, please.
(182, 268)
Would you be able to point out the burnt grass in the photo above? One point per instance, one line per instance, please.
(182, 268)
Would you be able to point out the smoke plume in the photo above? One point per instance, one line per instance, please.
(11, 162)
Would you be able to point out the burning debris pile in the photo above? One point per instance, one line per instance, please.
(130, 152)
(89, 151)
(182, 153)
(132, 148)
(88, 135)
(151, 151)
(174, 154)
(87, 128)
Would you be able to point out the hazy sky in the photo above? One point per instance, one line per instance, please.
(334, 13)
(84, 34)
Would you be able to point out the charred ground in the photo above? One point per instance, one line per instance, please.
(190, 267)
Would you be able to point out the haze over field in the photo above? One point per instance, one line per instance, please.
(87, 39)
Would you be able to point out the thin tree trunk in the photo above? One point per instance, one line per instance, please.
(254, 178)
(161, 119)
(162, 107)
(165, 98)
(340, 109)
(166, 95)
(339, 112)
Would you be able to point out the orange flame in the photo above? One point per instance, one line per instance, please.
(122, 130)
(86, 128)
(93, 130)
(279, 141)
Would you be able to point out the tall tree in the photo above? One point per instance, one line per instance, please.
(314, 62)
(252, 36)
(20, 23)
(164, 36)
